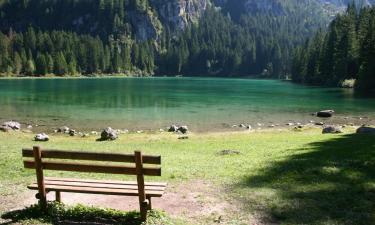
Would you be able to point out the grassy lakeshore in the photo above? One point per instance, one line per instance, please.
(281, 177)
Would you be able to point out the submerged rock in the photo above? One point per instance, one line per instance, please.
(108, 134)
(41, 137)
(332, 130)
(325, 113)
(366, 130)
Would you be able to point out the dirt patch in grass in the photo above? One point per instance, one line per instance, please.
(197, 202)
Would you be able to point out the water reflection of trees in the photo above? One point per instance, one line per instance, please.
(91, 93)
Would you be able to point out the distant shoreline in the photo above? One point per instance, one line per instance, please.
(257, 77)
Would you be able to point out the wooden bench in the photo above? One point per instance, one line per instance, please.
(41, 160)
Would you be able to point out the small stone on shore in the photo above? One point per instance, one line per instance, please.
(325, 113)
(12, 125)
(229, 152)
(173, 128)
(108, 134)
(183, 129)
(72, 132)
(63, 129)
(332, 130)
(183, 137)
(366, 130)
(41, 137)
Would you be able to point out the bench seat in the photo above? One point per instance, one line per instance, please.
(126, 188)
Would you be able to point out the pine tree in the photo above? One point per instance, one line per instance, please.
(17, 62)
(30, 67)
(60, 65)
(41, 65)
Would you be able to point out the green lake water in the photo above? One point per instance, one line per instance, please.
(203, 104)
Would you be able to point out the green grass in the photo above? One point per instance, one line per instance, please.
(283, 177)
(58, 213)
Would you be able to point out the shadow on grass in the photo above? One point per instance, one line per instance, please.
(61, 214)
(328, 182)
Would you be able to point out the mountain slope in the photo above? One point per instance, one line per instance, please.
(190, 37)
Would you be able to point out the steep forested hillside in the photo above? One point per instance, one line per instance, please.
(145, 37)
(346, 51)
(243, 37)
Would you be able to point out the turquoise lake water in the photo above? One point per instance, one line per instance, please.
(203, 104)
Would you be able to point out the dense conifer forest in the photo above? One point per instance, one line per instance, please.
(73, 37)
(345, 51)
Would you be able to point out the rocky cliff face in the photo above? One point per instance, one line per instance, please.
(344, 3)
(180, 13)
(146, 25)
(177, 14)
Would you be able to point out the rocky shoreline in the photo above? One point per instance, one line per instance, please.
(52, 125)
(324, 120)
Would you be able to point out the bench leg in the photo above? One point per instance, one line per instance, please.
(58, 196)
(143, 209)
(149, 205)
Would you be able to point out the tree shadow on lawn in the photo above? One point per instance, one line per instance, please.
(328, 182)
(60, 214)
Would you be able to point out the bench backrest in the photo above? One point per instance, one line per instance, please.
(57, 160)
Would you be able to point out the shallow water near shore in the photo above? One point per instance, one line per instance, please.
(204, 104)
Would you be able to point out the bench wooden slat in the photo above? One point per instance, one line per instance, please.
(80, 167)
(102, 185)
(94, 156)
(92, 190)
(161, 184)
